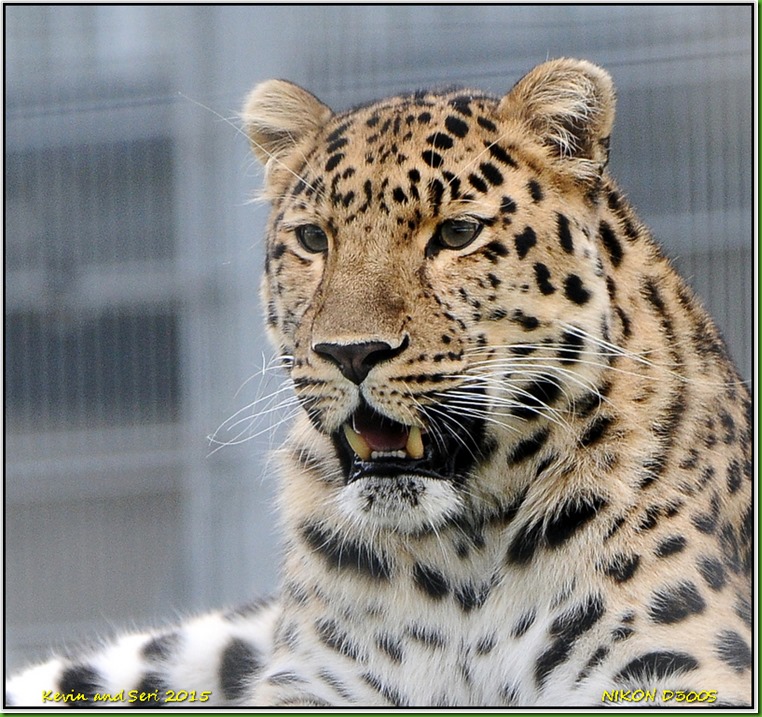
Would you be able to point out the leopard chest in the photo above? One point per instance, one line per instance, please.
(422, 636)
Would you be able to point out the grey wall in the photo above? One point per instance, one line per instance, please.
(133, 258)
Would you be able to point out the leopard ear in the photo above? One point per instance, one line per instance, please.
(569, 104)
(277, 115)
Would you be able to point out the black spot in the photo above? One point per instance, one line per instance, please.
(525, 241)
(338, 144)
(616, 524)
(572, 517)
(587, 403)
(536, 396)
(436, 192)
(285, 677)
(487, 124)
(529, 323)
(562, 526)
(528, 447)
(742, 608)
(564, 233)
(453, 183)
(456, 126)
(431, 581)
(675, 603)
(333, 161)
(622, 567)
(543, 465)
(658, 665)
(430, 638)
(344, 554)
(470, 597)
(565, 630)
(524, 623)
(486, 644)
(651, 294)
(691, 460)
(342, 128)
(160, 647)
(238, 664)
(424, 117)
(670, 545)
(712, 571)
(730, 546)
(390, 694)
(440, 140)
(507, 205)
(611, 242)
(542, 276)
(596, 658)
(496, 248)
(596, 431)
(501, 155)
(432, 158)
(575, 290)
(277, 251)
(571, 347)
(392, 646)
(621, 632)
(334, 682)
(730, 427)
(707, 475)
(650, 519)
(525, 543)
(478, 183)
(399, 195)
(80, 679)
(626, 323)
(734, 477)
(330, 635)
(491, 174)
(733, 650)
(707, 522)
(535, 191)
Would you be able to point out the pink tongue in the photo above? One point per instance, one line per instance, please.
(380, 433)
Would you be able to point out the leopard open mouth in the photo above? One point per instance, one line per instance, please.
(370, 444)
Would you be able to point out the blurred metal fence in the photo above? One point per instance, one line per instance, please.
(133, 258)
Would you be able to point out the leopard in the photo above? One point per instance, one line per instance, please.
(521, 473)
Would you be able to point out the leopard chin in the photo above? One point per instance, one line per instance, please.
(404, 503)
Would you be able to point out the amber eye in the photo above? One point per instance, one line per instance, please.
(454, 234)
(312, 238)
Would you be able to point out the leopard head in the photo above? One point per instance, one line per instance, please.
(431, 275)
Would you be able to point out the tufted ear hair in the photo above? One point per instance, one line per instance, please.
(277, 115)
(569, 104)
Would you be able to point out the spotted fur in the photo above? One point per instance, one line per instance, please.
(579, 517)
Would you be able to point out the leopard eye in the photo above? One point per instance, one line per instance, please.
(312, 238)
(456, 233)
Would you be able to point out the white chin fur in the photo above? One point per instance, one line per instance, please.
(406, 503)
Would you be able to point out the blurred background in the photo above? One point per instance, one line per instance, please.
(133, 256)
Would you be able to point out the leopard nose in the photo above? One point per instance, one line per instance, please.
(356, 360)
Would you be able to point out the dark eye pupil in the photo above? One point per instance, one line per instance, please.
(457, 233)
(312, 238)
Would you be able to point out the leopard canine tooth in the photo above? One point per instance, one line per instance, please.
(357, 442)
(414, 445)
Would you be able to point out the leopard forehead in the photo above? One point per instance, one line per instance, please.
(412, 158)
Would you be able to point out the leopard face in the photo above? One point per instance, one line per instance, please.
(433, 279)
